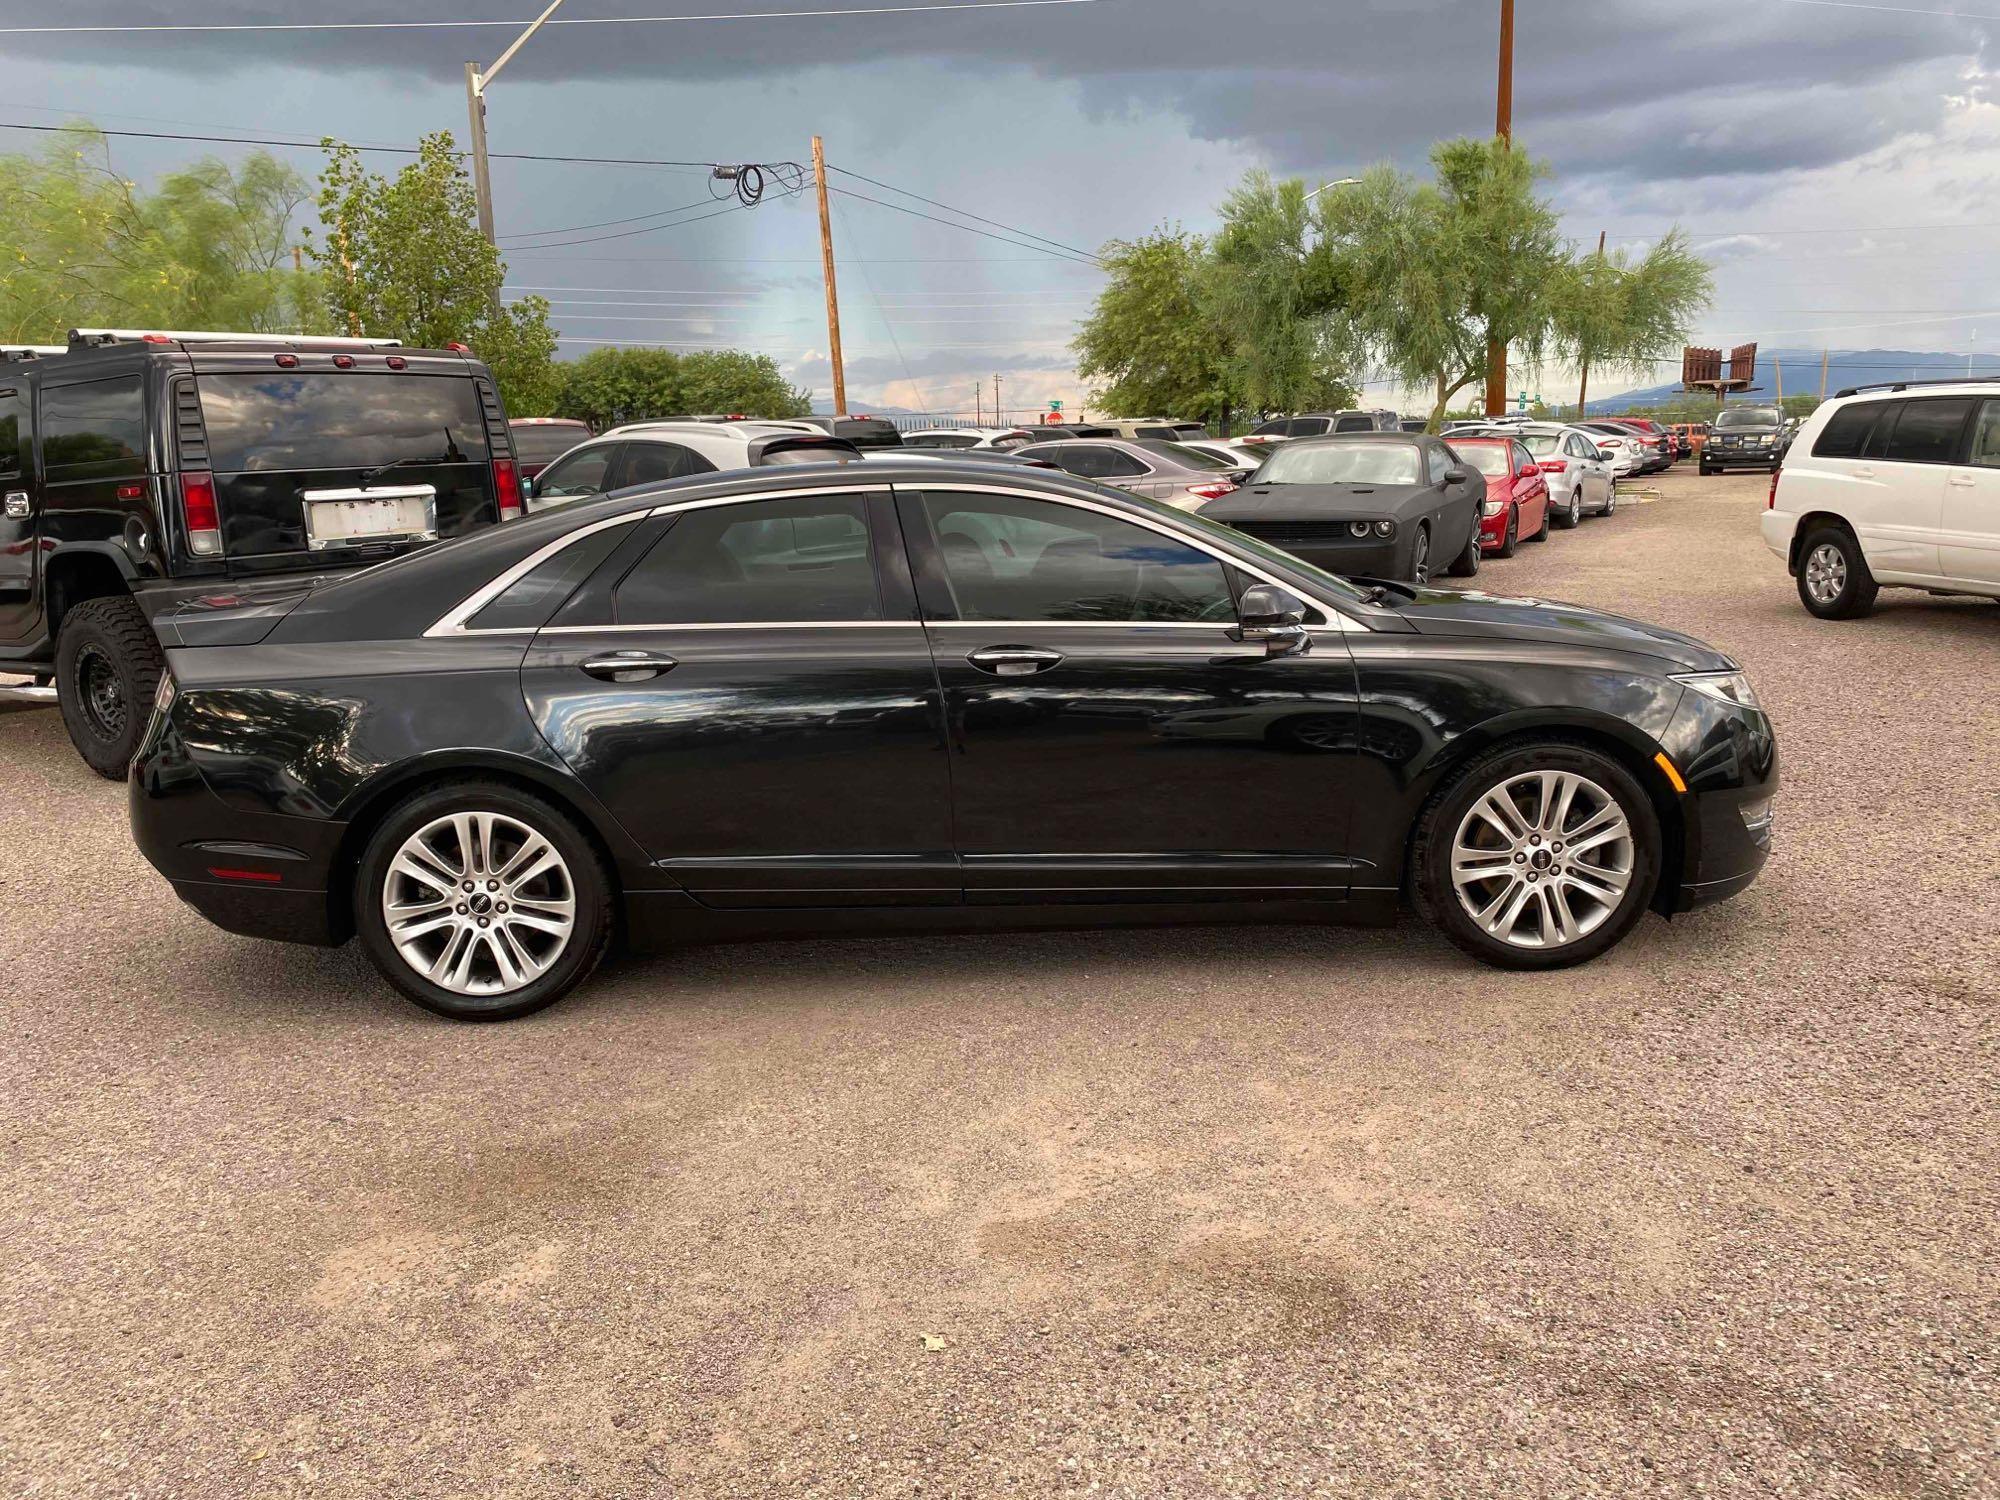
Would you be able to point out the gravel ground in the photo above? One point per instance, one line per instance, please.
(1204, 1212)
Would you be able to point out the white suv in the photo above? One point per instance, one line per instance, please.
(649, 452)
(1895, 484)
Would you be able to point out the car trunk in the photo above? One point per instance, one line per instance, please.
(327, 468)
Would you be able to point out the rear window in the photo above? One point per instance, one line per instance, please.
(1488, 458)
(1846, 431)
(96, 430)
(1191, 458)
(1355, 424)
(807, 450)
(541, 442)
(287, 420)
(1540, 443)
(869, 433)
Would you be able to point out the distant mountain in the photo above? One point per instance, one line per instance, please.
(1800, 369)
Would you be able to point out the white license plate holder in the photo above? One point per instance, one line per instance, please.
(359, 518)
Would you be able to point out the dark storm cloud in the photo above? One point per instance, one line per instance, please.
(1618, 87)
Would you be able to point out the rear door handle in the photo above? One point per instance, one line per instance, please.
(1014, 661)
(1963, 481)
(1864, 473)
(629, 666)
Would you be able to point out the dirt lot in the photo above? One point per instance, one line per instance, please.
(1204, 1212)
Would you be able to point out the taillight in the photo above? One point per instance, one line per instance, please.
(507, 485)
(1771, 500)
(1553, 465)
(204, 522)
(1213, 490)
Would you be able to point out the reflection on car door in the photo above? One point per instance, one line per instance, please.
(18, 546)
(1969, 538)
(1111, 740)
(746, 687)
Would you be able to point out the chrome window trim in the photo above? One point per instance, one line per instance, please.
(453, 622)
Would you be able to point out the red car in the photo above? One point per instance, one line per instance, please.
(1517, 495)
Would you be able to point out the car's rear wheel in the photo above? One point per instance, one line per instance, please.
(482, 902)
(108, 665)
(1610, 498)
(1834, 581)
(1537, 855)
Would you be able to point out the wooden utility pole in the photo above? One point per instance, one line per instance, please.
(1823, 356)
(1503, 127)
(832, 290)
(1778, 371)
(998, 420)
(1583, 385)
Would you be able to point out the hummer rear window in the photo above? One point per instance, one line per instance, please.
(286, 420)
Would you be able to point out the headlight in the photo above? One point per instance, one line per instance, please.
(1725, 687)
(1385, 528)
(1492, 507)
(1357, 528)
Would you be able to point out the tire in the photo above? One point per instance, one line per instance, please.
(1610, 499)
(1834, 581)
(1510, 543)
(108, 666)
(1708, 469)
(475, 984)
(1548, 512)
(1466, 564)
(1420, 555)
(1604, 894)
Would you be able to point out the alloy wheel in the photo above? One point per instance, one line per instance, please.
(1543, 859)
(1420, 557)
(1826, 573)
(479, 903)
(100, 693)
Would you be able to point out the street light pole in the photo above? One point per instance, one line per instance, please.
(1337, 182)
(476, 83)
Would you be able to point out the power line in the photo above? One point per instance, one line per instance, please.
(1899, 10)
(251, 140)
(626, 234)
(529, 234)
(951, 224)
(761, 15)
(963, 213)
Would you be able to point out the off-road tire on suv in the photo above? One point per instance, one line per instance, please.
(590, 897)
(1437, 895)
(1833, 576)
(108, 666)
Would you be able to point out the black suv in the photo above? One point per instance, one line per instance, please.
(1745, 437)
(142, 469)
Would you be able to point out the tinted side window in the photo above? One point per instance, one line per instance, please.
(1846, 432)
(1985, 436)
(1355, 424)
(648, 463)
(13, 428)
(1310, 426)
(527, 602)
(582, 473)
(1094, 461)
(1271, 429)
(762, 562)
(1927, 432)
(1017, 559)
(96, 430)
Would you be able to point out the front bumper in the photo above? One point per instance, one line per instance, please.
(1740, 458)
(1361, 558)
(1728, 757)
(1493, 530)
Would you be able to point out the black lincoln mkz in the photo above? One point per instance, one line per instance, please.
(843, 698)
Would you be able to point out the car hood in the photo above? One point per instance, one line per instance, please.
(1301, 502)
(1498, 616)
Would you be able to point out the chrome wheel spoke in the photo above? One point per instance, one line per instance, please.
(474, 929)
(1497, 807)
(1519, 876)
(1600, 885)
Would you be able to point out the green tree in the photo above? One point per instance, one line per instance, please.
(1609, 312)
(1801, 405)
(1269, 283)
(1151, 338)
(610, 386)
(82, 245)
(402, 257)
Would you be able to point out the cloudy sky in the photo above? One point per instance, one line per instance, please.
(1833, 157)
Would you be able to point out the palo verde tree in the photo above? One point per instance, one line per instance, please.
(1151, 338)
(1609, 311)
(81, 244)
(402, 257)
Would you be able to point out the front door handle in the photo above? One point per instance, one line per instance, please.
(17, 504)
(629, 666)
(1014, 661)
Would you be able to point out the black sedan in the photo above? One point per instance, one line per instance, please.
(843, 698)
(1365, 504)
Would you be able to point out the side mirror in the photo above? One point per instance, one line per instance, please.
(1454, 476)
(1270, 614)
(528, 488)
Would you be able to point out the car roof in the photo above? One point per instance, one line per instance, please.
(746, 431)
(1356, 437)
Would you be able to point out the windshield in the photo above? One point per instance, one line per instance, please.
(264, 423)
(1318, 579)
(1748, 416)
(1489, 459)
(1341, 463)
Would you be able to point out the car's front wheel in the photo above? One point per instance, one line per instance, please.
(1420, 555)
(1537, 855)
(1511, 541)
(481, 901)
(1466, 564)
(1834, 581)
